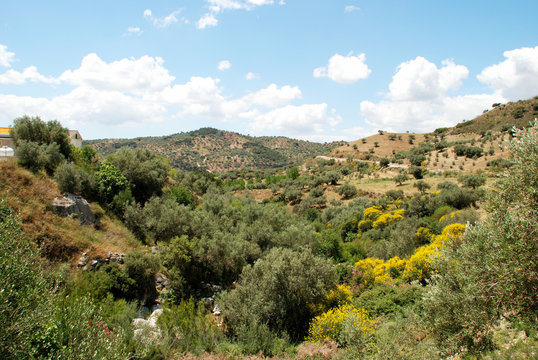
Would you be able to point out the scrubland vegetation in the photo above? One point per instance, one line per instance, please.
(301, 262)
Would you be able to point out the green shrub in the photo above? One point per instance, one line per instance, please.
(141, 268)
(145, 171)
(276, 291)
(347, 191)
(385, 300)
(188, 328)
(72, 179)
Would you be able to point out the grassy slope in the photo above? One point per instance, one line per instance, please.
(60, 239)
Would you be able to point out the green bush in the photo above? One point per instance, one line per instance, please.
(385, 300)
(347, 191)
(109, 182)
(72, 179)
(145, 171)
(276, 291)
(141, 268)
(188, 328)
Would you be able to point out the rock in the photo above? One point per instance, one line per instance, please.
(147, 331)
(161, 281)
(76, 207)
(115, 257)
(83, 260)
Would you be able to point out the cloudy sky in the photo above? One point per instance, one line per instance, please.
(309, 69)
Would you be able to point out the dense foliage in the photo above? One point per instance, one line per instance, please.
(249, 261)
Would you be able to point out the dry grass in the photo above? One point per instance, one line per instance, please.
(60, 239)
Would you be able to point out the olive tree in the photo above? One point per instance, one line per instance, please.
(276, 291)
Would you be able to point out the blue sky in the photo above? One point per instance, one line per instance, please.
(316, 70)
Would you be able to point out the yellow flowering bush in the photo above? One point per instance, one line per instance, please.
(364, 270)
(372, 213)
(341, 295)
(450, 215)
(371, 271)
(329, 325)
(419, 265)
(423, 235)
(388, 218)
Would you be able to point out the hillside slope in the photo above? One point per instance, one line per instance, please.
(213, 150)
(489, 131)
(60, 239)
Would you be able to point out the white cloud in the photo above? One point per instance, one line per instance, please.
(83, 106)
(138, 76)
(420, 79)
(131, 91)
(299, 121)
(133, 30)
(217, 6)
(425, 115)
(351, 8)
(6, 57)
(273, 96)
(515, 78)
(207, 20)
(251, 76)
(29, 74)
(163, 21)
(224, 65)
(418, 99)
(220, 5)
(344, 69)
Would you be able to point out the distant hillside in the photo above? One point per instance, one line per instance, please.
(502, 116)
(489, 131)
(209, 149)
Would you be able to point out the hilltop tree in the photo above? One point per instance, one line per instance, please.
(40, 145)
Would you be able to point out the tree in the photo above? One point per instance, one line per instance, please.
(142, 268)
(347, 191)
(411, 139)
(472, 181)
(72, 179)
(277, 292)
(422, 186)
(293, 173)
(333, 177)
(384, 162)
(109, 182)
(417, 171)
(401, 178)
(33, 129)
(145, 171)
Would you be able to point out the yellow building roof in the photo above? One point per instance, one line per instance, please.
(4, 130)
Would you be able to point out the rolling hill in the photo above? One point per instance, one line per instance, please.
(213, 150)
